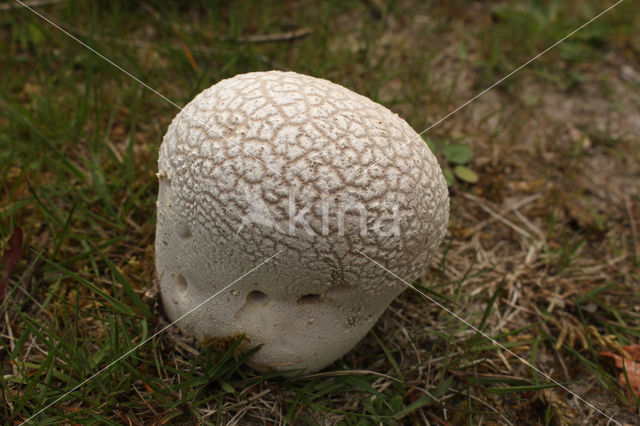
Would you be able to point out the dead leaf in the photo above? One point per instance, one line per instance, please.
(631, 367)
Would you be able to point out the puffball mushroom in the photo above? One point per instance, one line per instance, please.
(270, 161)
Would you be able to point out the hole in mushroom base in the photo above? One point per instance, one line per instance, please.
(184, 231)
(182, 283)
(257, 296)
(308, 299)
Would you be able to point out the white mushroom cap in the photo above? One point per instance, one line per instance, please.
(277, 160)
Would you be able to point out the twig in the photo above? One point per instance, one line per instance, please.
(177, 46)
(346, 373)
(269, 38)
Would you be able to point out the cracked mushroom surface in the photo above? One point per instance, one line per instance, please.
(270, 161)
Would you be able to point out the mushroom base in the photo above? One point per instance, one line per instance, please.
(307, 331)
